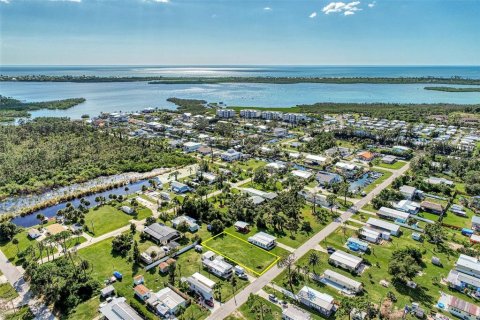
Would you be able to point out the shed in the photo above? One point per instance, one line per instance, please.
(107, 291)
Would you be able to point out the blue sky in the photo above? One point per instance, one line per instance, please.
(183, 32)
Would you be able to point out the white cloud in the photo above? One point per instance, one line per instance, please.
(157, 1)
(77, 1)
(342, 7)
(267, 9)
(312, 15)
(4, 1)
(371, 5)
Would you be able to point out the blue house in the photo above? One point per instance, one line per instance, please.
(179, 187)
(357, 244)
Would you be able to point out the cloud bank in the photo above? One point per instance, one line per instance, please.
(346, 9)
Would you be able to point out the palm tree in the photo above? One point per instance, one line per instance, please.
(84, 266)
(331, 199)
(313, 260)
(40, 218)
(287, 262)
(218, 290)
(233, 282)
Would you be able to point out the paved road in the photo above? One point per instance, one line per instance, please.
(311, 243)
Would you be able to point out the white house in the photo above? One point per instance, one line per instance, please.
(339, 280)
(218, 267)
(119, 309)
(458, 307)
(230, 155)
(370, 235)
(127, 209)
(345, 260)
(191, 223)
(384, 226)
(191, 146)
(468, 265)
(166, 302)
(280, 132)
(357, 244)
(314, 159)
(408, 192)
(392, 214)
(201, 285)
(316, 300)
(302, 174)
(263, 240)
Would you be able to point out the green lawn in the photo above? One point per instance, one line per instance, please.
(428, 282)
(385, 176)
(75, 241)
(241, 252)
(10, 250)
(19, 314)
(271, 311)
(252, 164)
(7, 292)
(394, 166)
(86, 311)
(108, 218)
(285, 237)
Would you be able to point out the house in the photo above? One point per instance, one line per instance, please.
(314, 159)
(474, 238)
(295, 313)
(339, 280)
(407, 206)
(432, 207)
(315, 300)
(417, 236)
(347, 169)
(275, 166)
(400, 149)
(435, 180)
(385, 228)
(34, 233)
(191, 146)
(201, 285)
(163, 267)
(263, 240)
(345, 260)
(190, 222)
(166, 302)
(357, 244)
(260, 193)
(241, 226)
(326, 179)
(142, 292)
(370, 235)
(209, 255)
(408, 192)
(392, 214)
(389, 159)
(280, 132)
(458, 307)
(461, 281)
(218, 267)
(468, 265)
(139, 279)
(317, 198)
(207, 176)
(366, 156)
(204, 150)
(476, 223)
(230, 155)
(256, 200)
(127, 209)
(161, 234)
(107, 291)
(302, 174)
(458, 210)
(119, 309)
(179, 187)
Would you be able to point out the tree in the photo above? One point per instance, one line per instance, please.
(313, 260)
(171, 273)
(7, 231)
(405, 264)
(40, 218)
(233, 282)
(343, 190)
(217, 226)
(260, 175)
(136, 252)
(435, 233)
(332, 200)
(133, 228)
(150, 220)
(288, 262)
(122, 244)
(218, 290)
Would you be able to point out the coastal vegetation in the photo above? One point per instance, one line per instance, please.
(52, 152)
(409, 112)
(11, 108)
(453, 89)
(215, 80)
(189, 105)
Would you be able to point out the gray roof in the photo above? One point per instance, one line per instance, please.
(118, 309)
(161, 232)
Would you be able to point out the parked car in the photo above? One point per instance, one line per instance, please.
(209, 303)
(272, 298)
(330, 250)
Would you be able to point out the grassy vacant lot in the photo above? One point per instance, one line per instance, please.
(246, 311)
(385, 176)
(10, 250)
(395, 166)
(241, 252)
(250, 164)
(87, 310)
(428, 281)
(74, 241)
(107, 218)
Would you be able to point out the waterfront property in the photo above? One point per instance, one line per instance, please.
(179, 187)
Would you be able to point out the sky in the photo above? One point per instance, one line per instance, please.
(239, 32)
